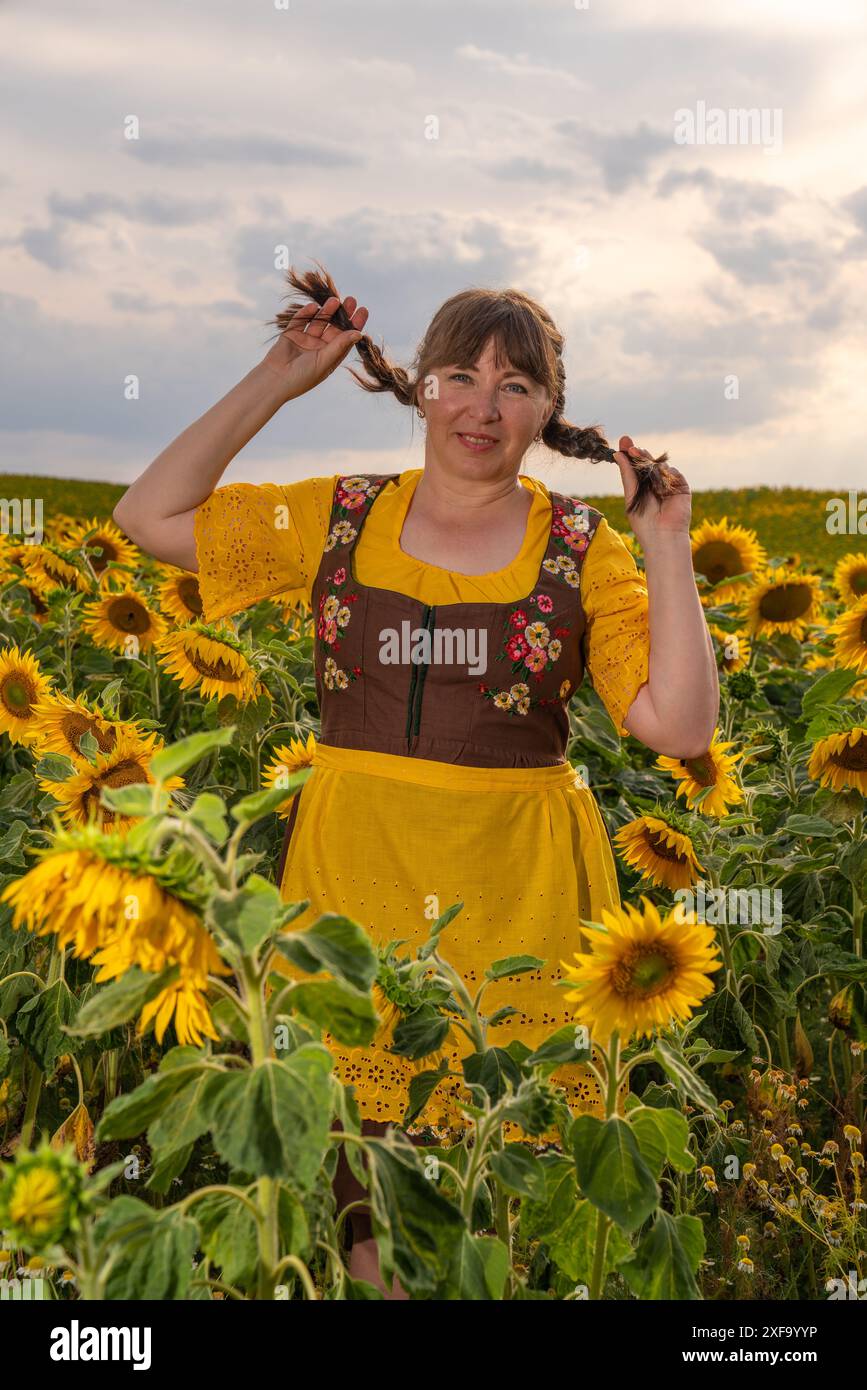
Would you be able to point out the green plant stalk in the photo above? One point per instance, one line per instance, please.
(603, 1222)
(34, 1085)
(267, 1188)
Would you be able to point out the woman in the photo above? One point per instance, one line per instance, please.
(456, 607)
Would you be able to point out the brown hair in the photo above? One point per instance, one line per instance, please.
(524, 334)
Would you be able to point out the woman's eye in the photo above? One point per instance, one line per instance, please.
(454, 376)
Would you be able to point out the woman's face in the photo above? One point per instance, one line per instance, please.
(499, 406)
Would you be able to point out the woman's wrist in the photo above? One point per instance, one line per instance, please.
(276, 379)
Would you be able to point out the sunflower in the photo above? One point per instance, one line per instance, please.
(179, 595)
(288, 760)
(641, 973)
(736, 648)
(126, 764)
(42, 1197)
(711, 769)
(720, 551)
(62, 528)
(390, 1016)
(105, 537)
(123, 622)
(61, 722)
(196, 659)
(47, 569)
(850, 632)
(22, 686)
(840, 760)
(783, 601)
(850, 577)
(663, 854)
(110, 906)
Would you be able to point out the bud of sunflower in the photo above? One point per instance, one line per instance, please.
(42, 1197)
(742, 685)
(803, 1049)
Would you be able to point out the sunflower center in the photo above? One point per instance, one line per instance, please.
(188, 593)
(218, 670)
(73, 726)
(660, 848)
(853, 757)
(17, 693)
(785, 602)
(644, 972)
(109, 553)
(701, 769)
(717, 560)
(125, 615)
(124, 774)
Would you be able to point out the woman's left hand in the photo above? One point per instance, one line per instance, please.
(671, 515)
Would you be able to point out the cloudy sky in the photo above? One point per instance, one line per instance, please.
(710, 291)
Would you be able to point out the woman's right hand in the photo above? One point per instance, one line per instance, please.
(312, 346)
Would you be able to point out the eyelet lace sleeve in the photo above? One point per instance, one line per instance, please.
(254, 541)
(617, 635)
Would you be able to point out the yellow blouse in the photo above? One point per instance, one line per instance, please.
(266, 541)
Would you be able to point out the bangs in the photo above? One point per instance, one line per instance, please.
(459, 333)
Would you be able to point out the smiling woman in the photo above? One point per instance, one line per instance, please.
(435, 781)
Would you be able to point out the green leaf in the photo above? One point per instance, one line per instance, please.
(559, 1048)
(167, 1167)
(12, 843)
(417, 1229)
(133, 1112)
(55, 767)
(178, 757)
(156, 1260)
(252, 914)
(519, 1172)
(512, 965)
(208, 811)
(333, 943)
(678, 1068)
(419, 1033)
(611, 1171)
(136, 800)
(41, 1025)
(272, 1120)
(662, 1135)
(265, 803)
(808, 825)
(491, 1070)
(828, 689)
(119, 1001)
(346, 1012)
(572, 1247)
(666, 1259)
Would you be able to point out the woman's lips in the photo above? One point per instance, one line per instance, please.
(474, 446)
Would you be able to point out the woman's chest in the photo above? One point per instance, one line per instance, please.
(465, 548)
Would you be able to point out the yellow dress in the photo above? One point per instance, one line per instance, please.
(393, 841)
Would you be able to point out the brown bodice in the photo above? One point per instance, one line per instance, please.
(480, 684)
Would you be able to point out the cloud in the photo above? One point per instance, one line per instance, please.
(623, 158)
(185, 149)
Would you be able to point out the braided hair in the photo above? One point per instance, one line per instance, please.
(525, 335)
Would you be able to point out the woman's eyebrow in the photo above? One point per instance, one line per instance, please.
(474, 368)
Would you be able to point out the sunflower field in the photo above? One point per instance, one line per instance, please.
(170, 1121)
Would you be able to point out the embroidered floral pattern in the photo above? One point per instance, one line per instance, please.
(350, 495)
(533, 647)
(335, 603)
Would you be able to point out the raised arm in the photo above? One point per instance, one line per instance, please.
(157, 511)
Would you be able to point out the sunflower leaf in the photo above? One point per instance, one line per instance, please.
(612, 1173)
(118, 1001)
(174, 760)
(828, 689)
(264, 803)
(55, 767)
(677, 1067)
